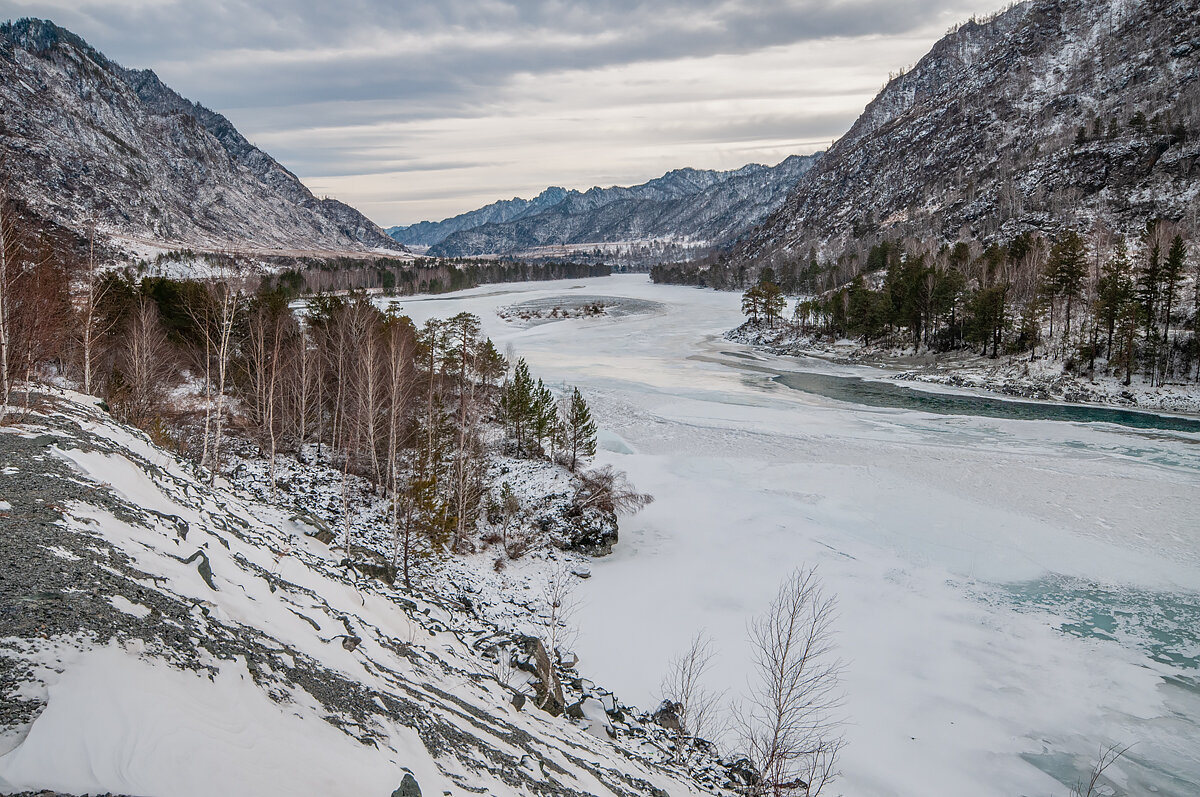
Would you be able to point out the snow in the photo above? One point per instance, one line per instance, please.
(255, 691)
(925, 526)
(188, 734)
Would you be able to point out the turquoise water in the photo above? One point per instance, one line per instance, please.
(1164, 755)
(1165, 625)
(868, 393)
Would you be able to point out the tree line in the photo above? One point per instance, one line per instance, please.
(333, 379)
(1103, 302)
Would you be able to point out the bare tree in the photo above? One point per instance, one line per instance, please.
(789, 727)
(226, 299)
(697, 708)
(557, 628)
(268, 331)
(91, 332)
(1104, 759)
(9, 275)
(145, 365)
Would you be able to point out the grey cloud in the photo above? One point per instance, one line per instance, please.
(535, 37)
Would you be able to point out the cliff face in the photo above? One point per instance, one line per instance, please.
(982, 138)
(85, 140)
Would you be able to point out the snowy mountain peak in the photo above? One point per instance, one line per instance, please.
(696, 206)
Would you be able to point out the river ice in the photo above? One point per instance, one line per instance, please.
(1013, 594)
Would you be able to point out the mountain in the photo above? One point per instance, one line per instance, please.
(694, 206)
(428, 233)
(1053, 113)
(83, 139)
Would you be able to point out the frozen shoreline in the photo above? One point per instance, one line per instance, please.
(1005, 377)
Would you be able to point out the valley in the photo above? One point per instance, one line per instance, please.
(1012, 593)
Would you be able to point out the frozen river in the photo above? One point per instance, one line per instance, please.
(1014, 593)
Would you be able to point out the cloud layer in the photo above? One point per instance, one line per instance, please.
(429, 108)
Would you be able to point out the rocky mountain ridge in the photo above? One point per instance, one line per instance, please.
(86, 141)
(1051, 114)
(689, 206)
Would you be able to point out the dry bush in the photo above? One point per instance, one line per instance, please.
(609, 490)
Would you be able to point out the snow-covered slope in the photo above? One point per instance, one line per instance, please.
(694, 206)
(161, 637)
(982, 138)
(84, 139)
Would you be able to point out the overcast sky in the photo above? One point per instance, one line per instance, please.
(422, 109)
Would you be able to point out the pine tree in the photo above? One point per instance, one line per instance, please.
(517, 406)
(1114, 291)
(1172, 274)
(544, 418)
(1068, 268)
(579, 429)
(752, 303)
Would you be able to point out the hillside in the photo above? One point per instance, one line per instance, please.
(174, 638)
(1053, 113)
(84, 140)
(697, 208)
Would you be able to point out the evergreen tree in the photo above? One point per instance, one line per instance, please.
(1068, 269)
(579, 430)
(752, 303)
(517, 406)
(1172, 274)
(544, 418)
(773, 301)
(1114, 291)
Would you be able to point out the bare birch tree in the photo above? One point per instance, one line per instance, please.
(145, 364)
(697, 708)
(789, 727)
(9, 275)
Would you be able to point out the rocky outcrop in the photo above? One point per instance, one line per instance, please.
(99, 575)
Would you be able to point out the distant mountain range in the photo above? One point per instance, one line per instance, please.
(85, 141)
(687, 206)
(1051, 114)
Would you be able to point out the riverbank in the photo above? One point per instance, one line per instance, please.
(1011, 376)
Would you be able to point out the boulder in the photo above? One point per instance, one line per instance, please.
(593, 533)
(408, 787)
(534, 659)
(667, 716)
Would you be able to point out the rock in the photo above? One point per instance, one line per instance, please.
(518, 701)
(593, 533)
(742, 773)
(408, 787)
(667, 715)
(575, 710)
(581, 570)
(324, 536)
(548, 694)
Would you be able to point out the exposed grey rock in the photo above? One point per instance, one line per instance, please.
(85, 139)
(981, 138)
(408, 787)
(667, 715)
